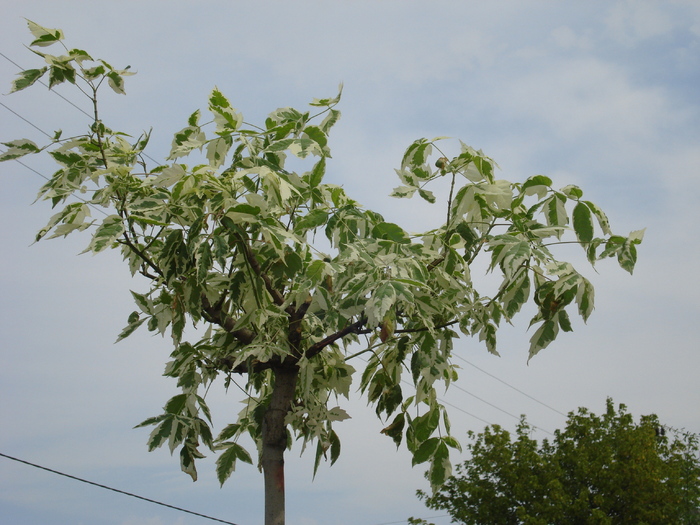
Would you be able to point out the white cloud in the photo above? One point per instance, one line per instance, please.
(586, 97)
(632, 21)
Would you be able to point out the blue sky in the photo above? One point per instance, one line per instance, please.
(603, 94)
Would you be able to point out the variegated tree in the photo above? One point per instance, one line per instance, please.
(228, 246)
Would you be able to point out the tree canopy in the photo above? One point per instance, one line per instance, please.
(288, 280)
(598, 470)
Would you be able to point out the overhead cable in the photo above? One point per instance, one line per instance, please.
(116, 490)
(510, 386)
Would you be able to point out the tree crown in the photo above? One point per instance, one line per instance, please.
(280, 272)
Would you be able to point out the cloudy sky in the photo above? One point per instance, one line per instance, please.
(603, 94)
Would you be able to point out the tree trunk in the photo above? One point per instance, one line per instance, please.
(274, 443)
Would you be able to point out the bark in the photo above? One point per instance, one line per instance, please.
(274, 443)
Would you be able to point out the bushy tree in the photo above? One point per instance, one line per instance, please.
(605, 470)
(231, 245)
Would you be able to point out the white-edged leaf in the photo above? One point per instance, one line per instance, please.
(226, 462)
(583, 222)
(44, 36)
(18, 148)
(544, 335)
(600, 215)
(27, 78)
(585, 298)
(225, 116)
(109, 231)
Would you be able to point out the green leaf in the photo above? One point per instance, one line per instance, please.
(417, 153)
(160, 434)
(217, 149)
(330, 120)
(403, 192)
(27, 78)
(544, 335)
(627, 258)
(564, 321)
(152, 421)
(193, 119)
(316, 271)
(134, 323)
(538, 184)
(585, 298)
(328, 101)
(19, 148)
(187, 458)
(382, 300)
(226, 462)
(204, 261)
(316, 134)
(425, 451)
(106, 234)
(228, 432)
(452, 442)
(600, 215)
(395, 429)
(425, 425)
(311, 220)
(244, 213)
(555, 211)
(391, 232)
(440, 467)
(572, 191)
(427, 195)
(225, 116)
(43, 36)
(116, 82)
(317, 173)
(335, 447)
(517, 293)
(583, 222)
(488, 334)
(176, 404)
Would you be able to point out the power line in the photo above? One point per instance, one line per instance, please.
(496, 407)
(45, 85)
(464, 411)
(24, 119)
(406, 521)
(116, 490)
(510, 386)
(59, 95)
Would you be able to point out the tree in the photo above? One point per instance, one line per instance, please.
(229, 246)
(598, 470)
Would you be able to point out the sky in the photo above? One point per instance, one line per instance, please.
(602, 94)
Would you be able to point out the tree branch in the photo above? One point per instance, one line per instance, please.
(353, 328)
(214, 314)
(255, 266)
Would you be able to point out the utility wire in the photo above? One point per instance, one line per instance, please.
(115, 490)
(406, 521)
(76, 196)
(45, 85)
(496, 407)
(59, 95)
(510, 386)
(27, 121)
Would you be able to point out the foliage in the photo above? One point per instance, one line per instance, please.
(598, 470)
(282, 273)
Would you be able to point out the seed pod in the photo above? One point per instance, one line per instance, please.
(442, 163)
